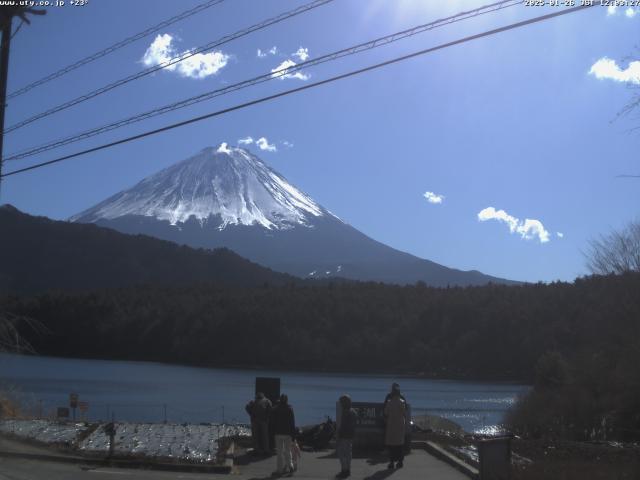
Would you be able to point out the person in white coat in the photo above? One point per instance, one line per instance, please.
(395, 411)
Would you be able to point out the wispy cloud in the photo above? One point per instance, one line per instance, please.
(200, 65)
(281, 71)
(629, 12)
(560, 234)
(302, 53)
(246, 141)
(528, 229)
(263, 144)
(287, 144)
(433, 197)
(606, 68)
(264, 53)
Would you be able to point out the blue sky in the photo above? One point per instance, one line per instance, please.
(515, 135)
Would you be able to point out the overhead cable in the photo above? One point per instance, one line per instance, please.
(378, 42)
(114, 47)
(168, 63)
(352, 73)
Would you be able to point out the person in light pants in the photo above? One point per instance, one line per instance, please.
(284, 426)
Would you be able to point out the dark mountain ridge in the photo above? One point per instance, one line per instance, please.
(37, 253)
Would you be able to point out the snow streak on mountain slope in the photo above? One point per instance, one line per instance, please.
(225, 181)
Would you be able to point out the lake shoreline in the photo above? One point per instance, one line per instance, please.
(390, 374)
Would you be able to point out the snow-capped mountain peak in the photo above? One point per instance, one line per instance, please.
(224, 184)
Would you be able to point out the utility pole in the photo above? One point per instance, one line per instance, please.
(4, 72)
(6, 17)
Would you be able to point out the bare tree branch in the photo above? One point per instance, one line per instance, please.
(617, 252)
(10, 338)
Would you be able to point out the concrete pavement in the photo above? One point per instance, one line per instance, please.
(325, 465)
(313, 465)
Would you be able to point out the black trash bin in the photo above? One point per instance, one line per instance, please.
(495, 457)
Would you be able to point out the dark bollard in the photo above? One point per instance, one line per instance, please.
(495, 457)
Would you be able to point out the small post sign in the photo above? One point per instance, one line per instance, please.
(84, 408)
(73, 403)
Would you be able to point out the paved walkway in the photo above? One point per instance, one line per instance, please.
(313, 465)
(324, 465)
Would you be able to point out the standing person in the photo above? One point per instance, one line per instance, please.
(284, 426)
(395, 410)
(259, 411)
(394, 386)
(254, 427)
(345, 434)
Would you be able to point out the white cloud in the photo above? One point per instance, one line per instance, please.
(302, 53)
(560, 234)
(223, 148)
(285, 66)
(264, 53)
(528, 229)
(263, 144)
(287, 144)
(605, 68)
(433, 197)
(200, 65)
(246, 141)
(629, 12)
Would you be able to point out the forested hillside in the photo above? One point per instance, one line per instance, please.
(474, 332)
(38, 254)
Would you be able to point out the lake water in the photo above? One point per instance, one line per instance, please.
(141, 391)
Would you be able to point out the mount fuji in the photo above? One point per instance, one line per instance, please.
(227, 197)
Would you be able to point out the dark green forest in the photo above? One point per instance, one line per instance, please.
(471, 332)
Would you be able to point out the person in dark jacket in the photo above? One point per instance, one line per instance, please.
(345, 434)
(284, 425)
(259, 411)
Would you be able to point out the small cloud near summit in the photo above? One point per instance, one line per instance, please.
(223, 148)
(263, 144)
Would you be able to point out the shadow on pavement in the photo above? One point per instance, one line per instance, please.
(381, 474)
(247, 458)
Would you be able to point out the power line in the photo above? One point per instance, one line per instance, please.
(114, 47)
(13, 35)
(378, 42)
(173, 61)
(305, 87)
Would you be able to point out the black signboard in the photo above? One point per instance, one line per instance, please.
(370, 415)
(63, 412)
